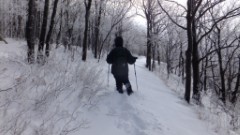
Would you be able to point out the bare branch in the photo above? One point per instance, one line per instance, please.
(6, 90)
(207, 9)
(211, 52)
(178, 4)
(228, 15)
(171, 17)
(196, 9)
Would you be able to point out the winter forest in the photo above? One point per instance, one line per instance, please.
(54, 73)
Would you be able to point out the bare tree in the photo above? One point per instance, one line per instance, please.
(236, 90)
(87, 15)
(149, 11)
(40, 56)
(60, 29)
(116, 15)
(225, 59)
(98, 16)
(51, 27)
(30, 30)
(195, 11)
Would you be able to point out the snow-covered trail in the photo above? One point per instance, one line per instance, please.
(152, 110)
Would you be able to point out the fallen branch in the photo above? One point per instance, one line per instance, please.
(6, 89)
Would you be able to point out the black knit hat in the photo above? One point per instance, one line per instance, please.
(118, 41)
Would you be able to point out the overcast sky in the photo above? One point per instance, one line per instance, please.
(142, 21)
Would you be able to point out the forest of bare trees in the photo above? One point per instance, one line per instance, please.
(198, 41)
(205, 22)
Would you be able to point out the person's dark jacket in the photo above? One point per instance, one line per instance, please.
(120, 57)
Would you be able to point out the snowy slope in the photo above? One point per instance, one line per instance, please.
(55, 99)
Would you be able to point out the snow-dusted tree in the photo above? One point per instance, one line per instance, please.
(30, 30)
(40, 56)
(114, 16)
(13, 18)
(97, 22)
(60, 28)
(150, 7)
(87, 4)
(156, 25)
(237, 85)
(223, 69)
(51, 27)
(70, 20)
(195, 12)
(224, 49)
(171, 47)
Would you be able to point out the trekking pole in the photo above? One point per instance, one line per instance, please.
(136, 76)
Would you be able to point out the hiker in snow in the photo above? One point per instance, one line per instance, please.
(120, 57)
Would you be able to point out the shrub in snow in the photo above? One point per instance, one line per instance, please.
(49, 99)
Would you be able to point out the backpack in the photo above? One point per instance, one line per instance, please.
(121, 61)
(120, 64)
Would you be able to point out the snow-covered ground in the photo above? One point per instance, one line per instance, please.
(66, 97)
(153, 110)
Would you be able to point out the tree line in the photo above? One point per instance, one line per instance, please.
(199, 42)
(89, 24)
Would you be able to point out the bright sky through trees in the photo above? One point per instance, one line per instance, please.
(182, 2)
(142, 21)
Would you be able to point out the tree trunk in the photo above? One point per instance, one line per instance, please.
(149, 54)
(60, 30)
(38, 24)
(149, 34)
(168, 59)
(195, 64)
(84, 49)
(188, 75)
(149, 44)
(97, 26)
(181, 63)
(51, 28)
(30, 30)
(221, 70)
(189, 54)
(205, 74)
(40, 57)
(20, 31)
(89, 36)
(236, 90)
(158, 56)
(153, 57)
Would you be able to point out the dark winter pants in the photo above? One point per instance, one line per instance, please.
(120, 80)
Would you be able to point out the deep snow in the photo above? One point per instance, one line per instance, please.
(55, 99)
